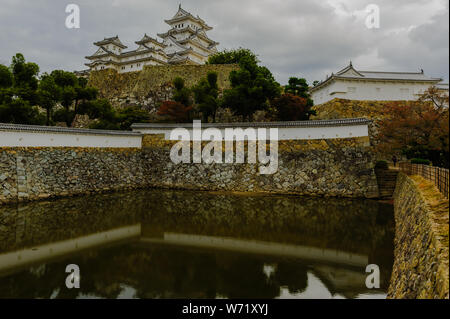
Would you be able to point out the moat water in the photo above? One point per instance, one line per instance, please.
(183, 244)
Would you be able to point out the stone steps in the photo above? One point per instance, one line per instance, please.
(387, 180)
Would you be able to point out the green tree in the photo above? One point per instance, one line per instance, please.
(25, 73)
(6, 77)
(18, 97)
(66, 81)
(251, 88)
(48, 94)
(206, 94)
(108, 118)
(181, 94)
(299, 87)
(130, 115)
(232, 57)
(25, 80)
(19, 111)
(71, 91)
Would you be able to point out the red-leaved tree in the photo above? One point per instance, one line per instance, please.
(175, 112)
(417, 129)
(292, 108)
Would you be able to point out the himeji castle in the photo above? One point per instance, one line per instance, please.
(186, 42)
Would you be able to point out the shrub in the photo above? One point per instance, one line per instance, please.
(420, 161)
(381, 165)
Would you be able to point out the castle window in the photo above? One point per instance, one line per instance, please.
(351, 90)
(378, 90)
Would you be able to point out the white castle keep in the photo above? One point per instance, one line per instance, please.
(186, 42)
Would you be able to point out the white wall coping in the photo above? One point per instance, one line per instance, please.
(137, 127)
(294, 130)
(58, 129)
(17, 135)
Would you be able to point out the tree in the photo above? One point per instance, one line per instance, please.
(182, 94)
(70, 91)
(6, 77)
(25, 81)
(175, 111)
(25, 73)
(110, 119)
(130, 115)
(180, 109)
(290, 107)
(417, 129)
(48, 94)
(19, 111)
(66, 81)
(206, 94)
(251, 88)
(18, 85)
(21, 90)
(98, 109)
(435, 96)
(299, 87)
(232, 57)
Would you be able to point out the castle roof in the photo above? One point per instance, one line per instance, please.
(100, 61)
(113, 40)
(146, 39)
(183, 15)
(350, 73)
(123, 54)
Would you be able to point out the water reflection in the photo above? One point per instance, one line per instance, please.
(176, 244)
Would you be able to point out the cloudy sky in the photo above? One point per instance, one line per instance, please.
(304, 38)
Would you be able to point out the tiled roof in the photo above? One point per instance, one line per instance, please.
(349, 72)
(419, 76)
(185, 14)
(114, 40)
(57, 129)
(320, 123)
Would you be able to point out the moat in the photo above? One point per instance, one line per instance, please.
(183, 244)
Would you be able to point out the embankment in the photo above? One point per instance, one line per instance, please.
(421, 268)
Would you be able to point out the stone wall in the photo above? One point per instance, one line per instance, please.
(421, 241)
(373, 110)
(334, 167)
(331, 167)
(38, 173)
(152, 85)
(342, 108)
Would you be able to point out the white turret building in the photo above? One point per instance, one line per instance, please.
(186, 42)
(353, 84)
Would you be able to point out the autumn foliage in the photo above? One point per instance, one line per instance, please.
(417, 129)
(175, 111)
(291, 107)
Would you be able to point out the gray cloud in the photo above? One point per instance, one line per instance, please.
(293, 38)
